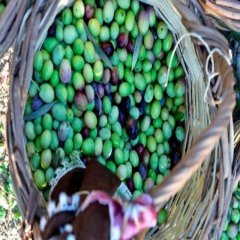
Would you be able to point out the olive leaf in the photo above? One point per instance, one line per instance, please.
(99, 51)
(136, 51)
(41, 111)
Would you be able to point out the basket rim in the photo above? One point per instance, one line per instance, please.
(10, 22)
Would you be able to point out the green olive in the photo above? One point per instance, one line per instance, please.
(111, 166)
(68, 146)
(98, 71)
(78, 9)
(46, 158)
(78, 63)
(39, 179)
(162, 30)
(162, 216)
(47, 70)
(167, 42)
(94, 27)
(88, 146)
(107, 149)
(49, 174)
(137, 180)
(70, 34)
(122, 172)
(58, 54)
(90, 120)
(59, 112)
(151, 144)
(30, 131)
(67, 16)
(98, 146)
(38, 60)
(30, 149)
(108, 12)
(54, 80)
(98, 14)
(129, 21)
(49, 44)
(35, 162)
(88, 73)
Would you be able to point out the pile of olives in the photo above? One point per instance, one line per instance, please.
(231, 229)
(123, 115)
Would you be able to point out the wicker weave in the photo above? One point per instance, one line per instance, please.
(225, 12)
(196, 190)
(10, 22)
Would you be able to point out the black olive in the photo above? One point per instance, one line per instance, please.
(52, 31)
(130, 46)
(98, 105)
(163, 100)
(85, 132)
(89, 12)
(139, 149)
(122, 40)
(142, 170)
(36, 103)
(108, 48)
(142, 107)
(125, 104)
(132, 129)
(122, 118)
(114, 77)
(130, 185)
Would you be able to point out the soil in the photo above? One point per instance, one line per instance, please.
(9, 225)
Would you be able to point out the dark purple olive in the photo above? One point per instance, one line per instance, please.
(106, 76)
(52, 30)
(108, 48)
(107, 89)
(163, 100)
(154, 32)
(81, 100)
(142, 107)
(122, 118)
(125, 104)
(114, 77)
(100, 90)
(130, 185)
(95, 88)
(85, 132)
(98, 106)
(175, 158)
(89, 12)
(36, 103)
(122, 40)
(130, 46)
(139, 149)
(142, 170)
(132, 129)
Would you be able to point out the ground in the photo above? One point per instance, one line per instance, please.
(9, 215)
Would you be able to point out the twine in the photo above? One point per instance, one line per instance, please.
(210, 74)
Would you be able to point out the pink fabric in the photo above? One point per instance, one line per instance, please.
(128, 218)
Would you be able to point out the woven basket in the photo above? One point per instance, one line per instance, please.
(196, 190)
(225, 12)
(10, 22)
